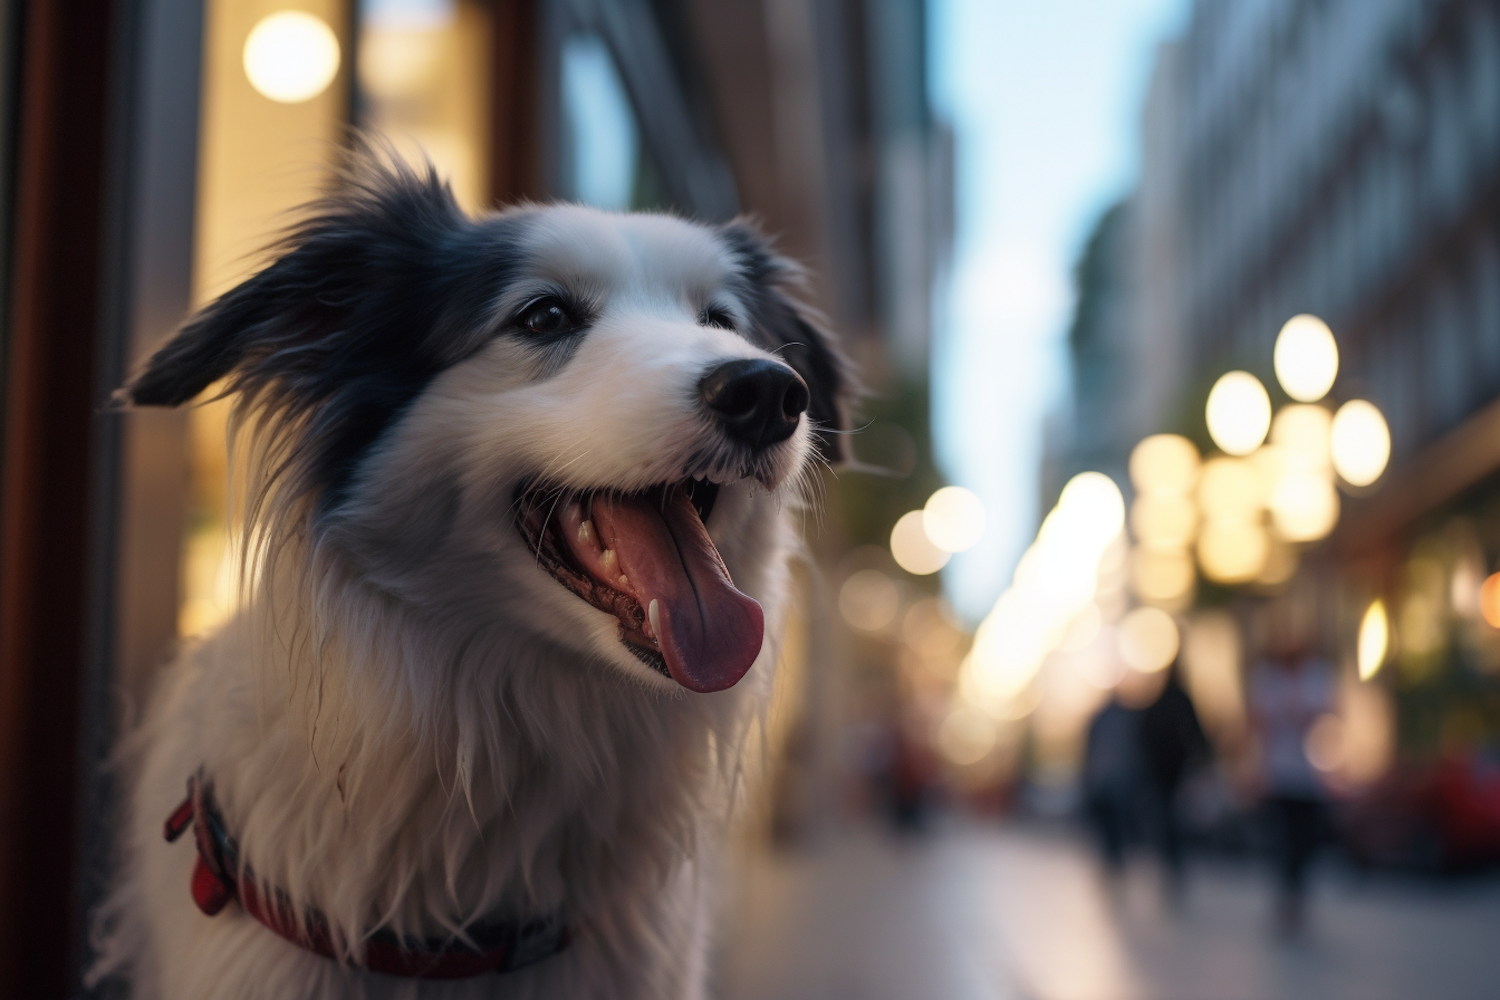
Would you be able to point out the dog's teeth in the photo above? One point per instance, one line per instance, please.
(586, 534)
(624, 580)
(653, 627)
(607, 558)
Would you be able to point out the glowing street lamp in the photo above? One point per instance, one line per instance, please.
(1239, 413)
(1360, 442)
(1148, 640)
(1164, 463)
(953, 519)
(1302, 431)
(1374, 639)
(1306, 358)
(1304, 506)
(291, 56)
(913, 550)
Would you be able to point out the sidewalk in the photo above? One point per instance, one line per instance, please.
(1009, 914)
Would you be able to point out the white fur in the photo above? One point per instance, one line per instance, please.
(411, 724)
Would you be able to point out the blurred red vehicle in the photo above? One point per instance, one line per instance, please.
(1442, 816)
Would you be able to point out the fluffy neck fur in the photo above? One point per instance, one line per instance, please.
(388, 770)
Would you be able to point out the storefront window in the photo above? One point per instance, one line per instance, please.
(265, 148)
(424, 67)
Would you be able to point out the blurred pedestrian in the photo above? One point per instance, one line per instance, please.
(911, 782)
(1111, 779)
(1172, 744)
(1289, 690)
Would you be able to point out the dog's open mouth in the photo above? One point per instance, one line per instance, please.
(646, 558)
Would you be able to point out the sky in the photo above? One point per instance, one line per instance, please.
(1045, 99)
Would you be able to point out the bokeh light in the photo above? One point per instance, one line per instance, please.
(1148, 639)
(1306, 358)
(1232, 551)
(1301, 433)
(1211, 655)
(1164, 463)
(1161, 575)
(1238, 412)
(954, 519)
(1281, 562)
(931, 629)
(1489, 600)
(1163, 521)
(1360, 442)
(1374, 640)
(1231, 489)
(1082, 631)
(291, 56)
(913, 550)
(966, 736)
(1093, 505)
(1324, 744)
(1304, 506)
(869, 600)
(1055, 582)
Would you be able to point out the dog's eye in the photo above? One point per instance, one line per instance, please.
(547, 317)
(716, 316)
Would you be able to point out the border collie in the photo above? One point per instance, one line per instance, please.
(521, 496)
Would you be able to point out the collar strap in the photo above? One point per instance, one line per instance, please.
(498, 947)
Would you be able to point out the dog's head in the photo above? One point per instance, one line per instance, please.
(575, 423)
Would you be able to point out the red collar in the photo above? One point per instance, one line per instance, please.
(216, 880)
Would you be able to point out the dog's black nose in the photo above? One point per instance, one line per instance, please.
(757, 401)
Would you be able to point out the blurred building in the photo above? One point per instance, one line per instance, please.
(1339, 158)
(148, 148)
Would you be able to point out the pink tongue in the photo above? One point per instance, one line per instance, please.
(709, 632)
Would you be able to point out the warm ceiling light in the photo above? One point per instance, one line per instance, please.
(1164, 463)
(291, 56)
(954, 519)
(912, 549)
(1306, 358)
(1360, 442)
(1239, 413)
(1148, 639)
(1374, 639)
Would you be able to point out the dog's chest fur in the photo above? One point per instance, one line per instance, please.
(585, 794)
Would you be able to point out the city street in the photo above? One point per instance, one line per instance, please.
(1011, 914)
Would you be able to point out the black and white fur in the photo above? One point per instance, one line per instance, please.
(410, 724)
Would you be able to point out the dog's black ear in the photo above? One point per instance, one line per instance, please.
(383, 285)
(787, 328)
(302, 323)
(208, 347)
